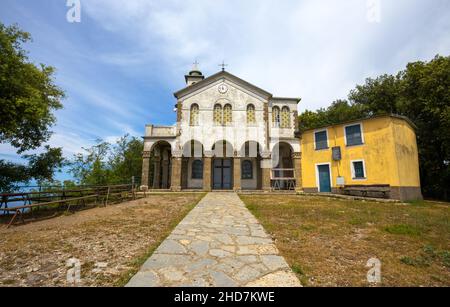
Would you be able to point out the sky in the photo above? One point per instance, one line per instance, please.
(121, 64)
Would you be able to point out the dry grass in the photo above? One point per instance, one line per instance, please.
(122, 236)
(328, 241)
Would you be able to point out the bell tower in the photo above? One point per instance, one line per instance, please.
(194, 76)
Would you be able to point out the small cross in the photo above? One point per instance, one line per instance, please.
(223, 65)
(195, 65)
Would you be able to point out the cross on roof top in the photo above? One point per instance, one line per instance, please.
(195, 65)
(223, 65)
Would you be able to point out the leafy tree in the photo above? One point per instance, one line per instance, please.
(106, 163)
(28, 96)
(41, 167)
(421, 92)
(11, 173)
(126, 159)
(378, 96)
(90, 168)
(338, 112)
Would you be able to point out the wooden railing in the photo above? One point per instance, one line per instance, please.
(30, 202)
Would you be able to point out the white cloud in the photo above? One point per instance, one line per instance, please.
(314, 49)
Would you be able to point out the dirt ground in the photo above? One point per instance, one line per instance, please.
(328, 241)
(111, 243)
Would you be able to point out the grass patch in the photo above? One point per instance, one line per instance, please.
(427, 257)
(416, 262)
(123, 236)
(403, 230)
(297, 269)
(333, 239)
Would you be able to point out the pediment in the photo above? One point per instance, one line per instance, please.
(224, 77)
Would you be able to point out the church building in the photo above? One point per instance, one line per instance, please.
(230, 135)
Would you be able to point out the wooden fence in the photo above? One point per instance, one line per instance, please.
(31, 202)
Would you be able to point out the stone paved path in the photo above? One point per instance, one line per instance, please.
(219, 243)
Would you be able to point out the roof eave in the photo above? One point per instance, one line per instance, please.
(296, 99)
(185, 91)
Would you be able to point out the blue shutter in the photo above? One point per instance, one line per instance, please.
(321, 140)
(354, 136)
(359, 170)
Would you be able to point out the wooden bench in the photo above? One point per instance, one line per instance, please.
(376, 191)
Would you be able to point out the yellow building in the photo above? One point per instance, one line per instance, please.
(371, 157)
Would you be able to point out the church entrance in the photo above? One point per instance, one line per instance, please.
(222, 174)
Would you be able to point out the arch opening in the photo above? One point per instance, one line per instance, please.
(160, 169)
(251, 172)
(283, 172)
(192, 165)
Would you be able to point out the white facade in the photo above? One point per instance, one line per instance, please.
(198, 124)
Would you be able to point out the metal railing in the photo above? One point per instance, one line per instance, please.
(283, 178)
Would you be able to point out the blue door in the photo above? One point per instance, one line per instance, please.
(222, 174)
(324, 179)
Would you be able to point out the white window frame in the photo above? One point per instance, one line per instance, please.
(362, 133)
(317, 175)
(315, 143)
(352, 170)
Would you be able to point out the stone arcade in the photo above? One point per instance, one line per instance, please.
(230, 135)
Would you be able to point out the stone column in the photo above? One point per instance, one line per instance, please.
(266, 168)
(237, 173)
(165, 174)
(297, 157)
(207, 161)
(145, 170)
(156, 173)
(176, 173)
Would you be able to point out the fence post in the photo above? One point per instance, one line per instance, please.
(107, 196)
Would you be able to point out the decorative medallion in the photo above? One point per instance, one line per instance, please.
(223, 88)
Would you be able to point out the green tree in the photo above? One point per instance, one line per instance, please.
(106, 163)
(28, 98)
(91, 167)
(339, 111)
(28, 94)
(126, 159)
(43, 166)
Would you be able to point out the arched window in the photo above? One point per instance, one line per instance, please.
(197, 169)
(218, 114)
(247, 169)
(227, 114)
(285, 118)
(194, 115)
(251, 118)
(276, 116)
